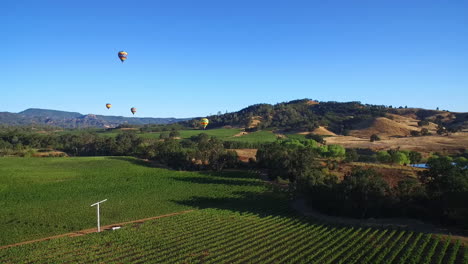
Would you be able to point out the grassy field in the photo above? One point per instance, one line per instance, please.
(254, 137)
(239, 219)
(221, 133)
(45, 196)
(224, 236)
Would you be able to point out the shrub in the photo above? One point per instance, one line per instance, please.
(374, 137)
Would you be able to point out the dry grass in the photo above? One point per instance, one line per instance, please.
(255, 121)
(453, 143)
(391, 173)
(50, 154)
(312, 102)
(383, 127)
(245, 154)
(319, 131)
(240, 134)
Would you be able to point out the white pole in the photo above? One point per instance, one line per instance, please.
(98, 217)
(98, 222)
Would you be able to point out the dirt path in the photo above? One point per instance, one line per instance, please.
(94, 230)
(404, 223)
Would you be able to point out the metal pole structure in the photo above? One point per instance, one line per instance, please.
(98, 217)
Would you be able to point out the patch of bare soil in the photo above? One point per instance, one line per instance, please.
(453, 143)
(278, 135)
(312, 102)
(392, 174)
(246, 154)
(240, 134)
(323, 131)
(319, 131)
(255, 121)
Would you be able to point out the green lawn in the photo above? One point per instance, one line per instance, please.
(44, 196)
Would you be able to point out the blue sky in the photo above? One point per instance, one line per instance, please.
(192, 58)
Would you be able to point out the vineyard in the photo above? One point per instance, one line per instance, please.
(224, 236)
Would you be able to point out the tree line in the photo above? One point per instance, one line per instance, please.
(439, 194)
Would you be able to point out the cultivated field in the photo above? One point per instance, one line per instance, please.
(224, 236)
(41, 197)
(237, 219)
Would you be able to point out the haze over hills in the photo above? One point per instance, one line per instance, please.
(66, 119)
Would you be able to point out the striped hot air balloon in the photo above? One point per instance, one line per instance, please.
(133, 110)
(204, 122)
(108, 106)
(122, 55)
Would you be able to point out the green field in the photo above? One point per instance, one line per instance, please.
(238, 219)
(221, 133)
(46, 196)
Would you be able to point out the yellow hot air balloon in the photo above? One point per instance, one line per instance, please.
(204, 122)
(133, 110)
(122, 55)
(108, 106)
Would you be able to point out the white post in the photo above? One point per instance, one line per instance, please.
(98, 217)
(98, 222)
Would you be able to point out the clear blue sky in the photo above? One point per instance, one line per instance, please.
(195, 57)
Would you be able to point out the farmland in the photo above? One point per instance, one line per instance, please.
(41, 197)
(222, 133)
(238, 219)
(225, 236)
(228, 134)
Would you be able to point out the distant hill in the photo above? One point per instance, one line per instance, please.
(66, 119)
(340, 118)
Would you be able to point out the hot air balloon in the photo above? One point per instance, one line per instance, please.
(204, 122)
(108, 106)
(122, 55)
(133, 110)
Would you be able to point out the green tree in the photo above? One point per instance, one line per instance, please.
(400, 158)
(384, 157)
(364, 190)
(415, 157)
(174, 133)
(351, 155)
(336, 151)
(374, 137)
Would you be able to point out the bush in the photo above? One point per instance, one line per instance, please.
(415, 157)
(374, 137)
(400, 158)
(423, 123)
(384, 157)
(351, 155)
(425, 132)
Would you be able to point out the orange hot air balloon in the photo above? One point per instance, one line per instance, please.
(133, 110)
(122, 55)
(108, 106)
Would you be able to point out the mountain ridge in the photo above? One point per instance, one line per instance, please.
(65, 119)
